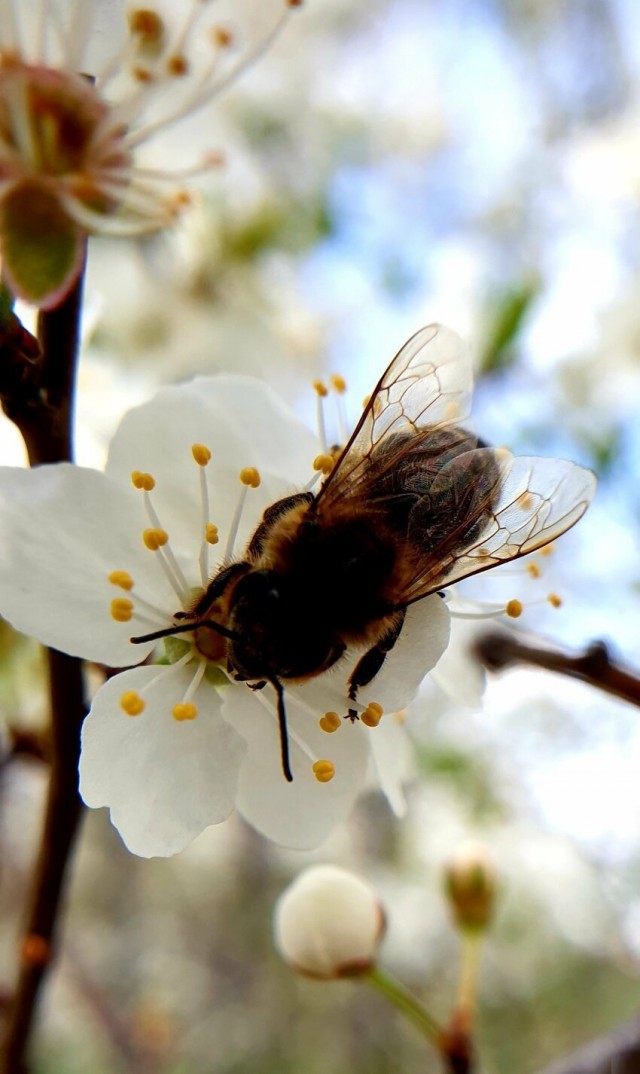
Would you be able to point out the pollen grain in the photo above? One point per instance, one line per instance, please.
(250, 477)
(184, 710)
(122, 609)
(132, 703)
(330, 722)
(201, 454)
(155, 538)
(122, 579)
(142, 480)
(324, 771)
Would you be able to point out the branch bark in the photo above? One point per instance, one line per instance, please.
(41, 403)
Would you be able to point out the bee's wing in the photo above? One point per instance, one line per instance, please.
(428, 383)
(533, 502)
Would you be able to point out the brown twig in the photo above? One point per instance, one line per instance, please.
(498, 651)
(41, 405)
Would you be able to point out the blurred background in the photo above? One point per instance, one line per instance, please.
(388, 163)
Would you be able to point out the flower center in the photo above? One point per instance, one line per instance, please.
(55, 126)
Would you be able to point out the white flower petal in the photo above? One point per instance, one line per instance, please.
(164, 781)
(243, 423)
(392, 761)
(299, 814)
(63, 529)
(424, 638)
(458, 673)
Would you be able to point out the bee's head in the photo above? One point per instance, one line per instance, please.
(277, 635)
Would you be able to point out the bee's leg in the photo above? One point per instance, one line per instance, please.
(271, 516)
(369, 665)
(257, 685)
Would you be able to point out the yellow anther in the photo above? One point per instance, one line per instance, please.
(155, 538)
(400, 717)
(323, 463)
(514, 609)
(250, 476)
(452, 410)
(546, 551)
(324, 771)
(121, 609)
(338, 383)
(533, 569)
(372, 714)
(132, 703)
(184, 710)
(330, 722)
(525, 501)
(211, 533)
(146, 24)
(320, 387)
(222, 36)
(122, 579)
(141, 74)
(177, 65)
(140, 480)
(201, 454)
(483, 553)
(554, 600)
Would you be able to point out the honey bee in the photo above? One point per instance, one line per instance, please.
(414, 503)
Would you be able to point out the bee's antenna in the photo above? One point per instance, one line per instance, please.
(184, 628)
(284, 734)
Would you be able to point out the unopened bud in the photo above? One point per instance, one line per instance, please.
(471, 885)
(329, 923)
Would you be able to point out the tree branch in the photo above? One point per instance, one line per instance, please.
(40, 402)
(498, 651)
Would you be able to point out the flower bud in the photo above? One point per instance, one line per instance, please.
(470, 884)
(329, 923)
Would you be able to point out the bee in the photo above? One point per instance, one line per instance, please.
(413, 503)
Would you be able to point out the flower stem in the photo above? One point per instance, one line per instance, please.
(43, 411)
(406, 1004)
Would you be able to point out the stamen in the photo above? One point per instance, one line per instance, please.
(323, 464)
(324, 771)
(554, 600)
(339, 386)
(533, 570)
(122, 579)
(250, 478)
(156, 538)
(132, 703)
(122, 610)
(184, 711)
(202, 456)
(330, 722)
(207, 87)
(211, 533)
(546, 550)
(372, 714)
(321, 393)
(514, 609)
(141, 480)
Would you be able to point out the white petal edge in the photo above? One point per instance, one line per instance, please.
(164, 781)
(300, 814)
(63, 529)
